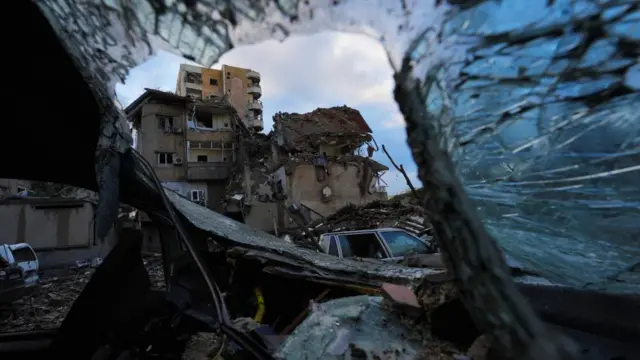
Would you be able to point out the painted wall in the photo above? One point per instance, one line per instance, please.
(236, 87)
(304, 188)
(152, 139)
(10, 187)
(208, 88)
(61, 232)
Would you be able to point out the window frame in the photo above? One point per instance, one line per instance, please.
(392, 255)
(385, 251)
(201, 196)
(159, 156)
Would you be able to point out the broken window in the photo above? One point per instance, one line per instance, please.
(23, 255)
(202, 158)
(165, 122)
(401, 244)
(333, 246)
(204, 120)
(165, 158)
(361, 245)
(194, 92)
(213, 82)
(193, 78)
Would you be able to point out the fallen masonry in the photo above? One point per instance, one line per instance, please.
(48, 306)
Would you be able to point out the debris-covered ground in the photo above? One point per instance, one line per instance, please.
(47, 306)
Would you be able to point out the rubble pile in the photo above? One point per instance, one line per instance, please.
(256, 154)
(306, 132)
(377, 214)
(46, 307)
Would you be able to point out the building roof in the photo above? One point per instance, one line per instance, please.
(148, 93)
(320, 125)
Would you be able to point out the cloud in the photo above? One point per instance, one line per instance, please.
(396, 183)
(395, 121)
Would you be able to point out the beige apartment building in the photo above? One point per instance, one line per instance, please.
(241, 86)
(190, 142)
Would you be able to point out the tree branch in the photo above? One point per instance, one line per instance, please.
(400, 168)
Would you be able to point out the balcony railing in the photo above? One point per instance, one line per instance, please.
(255, 105)
(253, 75)
(208, 171)
(255, 90)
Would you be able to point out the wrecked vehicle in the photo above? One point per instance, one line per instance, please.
(210, 294)
(387, 244)
(18, 271)
(22, 256)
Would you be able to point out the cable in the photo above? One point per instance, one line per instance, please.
(218, 301)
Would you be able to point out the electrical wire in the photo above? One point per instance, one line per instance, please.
(218, 301)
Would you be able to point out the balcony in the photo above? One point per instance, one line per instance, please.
(253, 121)
(197, 171)
(255, 105)
(255, 90)
(253, 75)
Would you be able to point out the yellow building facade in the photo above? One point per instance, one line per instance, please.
(241, 87)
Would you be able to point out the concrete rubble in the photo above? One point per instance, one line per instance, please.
(47, 307)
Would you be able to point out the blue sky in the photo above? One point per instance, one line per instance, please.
(303, 73)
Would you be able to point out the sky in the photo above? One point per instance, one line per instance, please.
(303, 73)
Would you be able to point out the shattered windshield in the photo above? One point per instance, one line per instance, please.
(532, 100)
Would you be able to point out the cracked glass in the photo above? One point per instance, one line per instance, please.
(534, 101)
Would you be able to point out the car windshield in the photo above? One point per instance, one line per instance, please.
(401, 244)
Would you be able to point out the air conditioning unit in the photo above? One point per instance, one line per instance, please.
(176, 130)
(177, 161)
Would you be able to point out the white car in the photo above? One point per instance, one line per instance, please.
(22, 256)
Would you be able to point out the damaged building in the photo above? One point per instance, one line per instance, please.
(189, 141)
(241, 86)
(310, 166)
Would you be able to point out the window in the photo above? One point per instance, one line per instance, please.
(164, 122)
(361, 245)
(333, 246)
(23, 254)
(202, 158)
(213, 82)
(194, 92)
(228, 76)
(401, 244)
(193, 78)
(165, 158)
(197, 196)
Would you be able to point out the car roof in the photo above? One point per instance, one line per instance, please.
(364, 231)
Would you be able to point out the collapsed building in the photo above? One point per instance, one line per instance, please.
(310, 166)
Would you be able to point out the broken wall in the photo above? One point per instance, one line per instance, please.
(235, 85)
(342, 180)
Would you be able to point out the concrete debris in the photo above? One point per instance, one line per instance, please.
(377, 214)
(320, 152)
(47, 307)
(323, 126)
